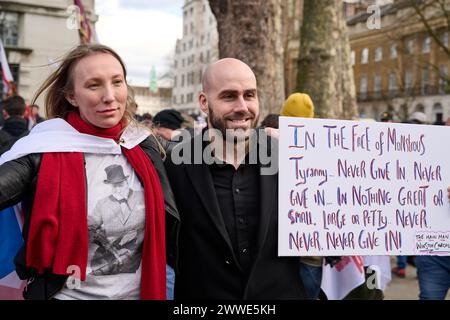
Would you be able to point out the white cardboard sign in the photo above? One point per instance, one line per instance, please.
(360, 188)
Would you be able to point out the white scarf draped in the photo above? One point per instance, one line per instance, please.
(56, 135)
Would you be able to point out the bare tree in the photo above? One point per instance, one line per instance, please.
(428, 21)
(435, 16)
(325, 71)
(251, 31)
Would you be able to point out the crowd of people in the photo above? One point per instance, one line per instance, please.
(150, 226)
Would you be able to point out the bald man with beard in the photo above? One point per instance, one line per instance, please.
(229, 206)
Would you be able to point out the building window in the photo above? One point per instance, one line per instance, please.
(364, 56)
(443, 79)
(438, 113)
(410, 46)
(352, 57)
(378, 54)
(174, 99)
(200, 76)
(377, 85)
(175, 81)
(393, 51)
(15, 72)
(392, 87)
(424, 81)
(182, 80)
(426, 44)
(408, 81)
(182, 99)
(444, 38)
(363, 87)
(9, 28)
(192, 28)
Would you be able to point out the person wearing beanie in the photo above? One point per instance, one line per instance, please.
(298, 105)
(167, 122)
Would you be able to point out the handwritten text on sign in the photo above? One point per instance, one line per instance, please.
(360, 188)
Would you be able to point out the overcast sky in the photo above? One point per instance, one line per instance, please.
(143, 32)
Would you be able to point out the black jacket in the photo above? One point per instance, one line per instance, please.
(208, 267)
(14, 128)
(18, 180)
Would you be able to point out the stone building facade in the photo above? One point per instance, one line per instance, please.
(194, 51)
(36, 34)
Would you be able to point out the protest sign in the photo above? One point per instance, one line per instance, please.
(360, 188)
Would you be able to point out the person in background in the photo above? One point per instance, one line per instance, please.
(386, 117)
(418, 117)
(168, 125)
(270, 121)
(34, 114)
(15, 126)
(147, 120)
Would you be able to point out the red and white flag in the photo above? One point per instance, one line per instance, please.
(340, 280)
(11, 221)
(7, 77)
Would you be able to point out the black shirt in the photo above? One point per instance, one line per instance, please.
(238, 195)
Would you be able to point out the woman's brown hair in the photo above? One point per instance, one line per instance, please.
(60, 82)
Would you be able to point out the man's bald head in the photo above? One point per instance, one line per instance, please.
(222, 68)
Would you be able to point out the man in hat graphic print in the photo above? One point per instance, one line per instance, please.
(119, 212)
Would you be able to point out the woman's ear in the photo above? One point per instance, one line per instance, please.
(71, 99)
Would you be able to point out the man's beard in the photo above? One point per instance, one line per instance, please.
(234, 134)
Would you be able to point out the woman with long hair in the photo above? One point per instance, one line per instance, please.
(93, 188)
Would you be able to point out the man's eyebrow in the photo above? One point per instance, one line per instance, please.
(250, 91)
(99, 78)
(227, 91)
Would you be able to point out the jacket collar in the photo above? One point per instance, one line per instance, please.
(202, 182)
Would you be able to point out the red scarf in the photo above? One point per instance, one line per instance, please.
(58, 236)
